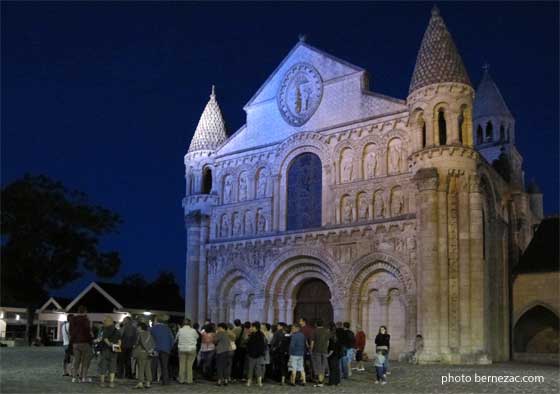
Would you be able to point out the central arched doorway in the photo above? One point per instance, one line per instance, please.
(313, 301)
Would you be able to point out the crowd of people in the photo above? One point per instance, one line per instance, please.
(224, 353)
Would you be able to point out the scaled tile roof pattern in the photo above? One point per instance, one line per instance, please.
(438, 59)
(488, 99)
(211, 129)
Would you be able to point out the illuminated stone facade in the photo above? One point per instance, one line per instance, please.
(389, 202)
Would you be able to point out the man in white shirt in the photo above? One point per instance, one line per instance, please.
(187, 338)
(67, 365)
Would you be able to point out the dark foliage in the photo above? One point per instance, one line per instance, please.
(50, 236)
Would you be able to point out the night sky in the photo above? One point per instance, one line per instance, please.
(105, 96)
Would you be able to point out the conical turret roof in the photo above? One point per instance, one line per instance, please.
(438, 59)
(211, 130)
(488, 99)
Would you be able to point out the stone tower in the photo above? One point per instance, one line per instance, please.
(198, 202)
(451, 315)
(494, 127)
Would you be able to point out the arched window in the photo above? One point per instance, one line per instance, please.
(206, 180)
(502, 133)
(479, 135)
(489, 136)
(442, 127)
(460, 125)
(423, 134)
(304, 192)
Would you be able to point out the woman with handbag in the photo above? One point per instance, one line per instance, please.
(142, 351)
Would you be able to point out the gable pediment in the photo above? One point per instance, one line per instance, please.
(328, 67)
(309, 91)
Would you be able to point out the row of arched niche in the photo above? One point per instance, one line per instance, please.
(488, 133)
(366, 206)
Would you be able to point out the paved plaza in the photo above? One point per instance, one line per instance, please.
(38, 370)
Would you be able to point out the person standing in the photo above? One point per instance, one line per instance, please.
(360, 346)
(186, 342)
(256, 345)
(349, 344)
(232, 349)
(382, 342)
(207, 350)
(129, 335)
(67, 363)
(319, 351)
(307, 332)
(81, 338)
(223, 348)
(297, 352)
(110, 346)
(239, 353)
(143, 349)
(164, 340)
(334, 355)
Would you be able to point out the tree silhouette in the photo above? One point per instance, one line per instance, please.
(50, 236)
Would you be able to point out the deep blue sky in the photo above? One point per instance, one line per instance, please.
(105, 96)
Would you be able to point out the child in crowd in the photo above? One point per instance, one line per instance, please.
(379, 362)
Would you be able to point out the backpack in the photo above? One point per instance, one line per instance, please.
(150, 344)
(284, 347)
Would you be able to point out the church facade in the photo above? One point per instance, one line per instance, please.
(337, 202)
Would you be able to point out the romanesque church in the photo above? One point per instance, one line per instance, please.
(333, 201)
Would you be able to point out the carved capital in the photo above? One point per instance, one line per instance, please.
(474, 184)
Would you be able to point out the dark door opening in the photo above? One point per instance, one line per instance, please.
(314, 302)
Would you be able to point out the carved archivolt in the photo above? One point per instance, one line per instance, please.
(368, 265)
(297, 144)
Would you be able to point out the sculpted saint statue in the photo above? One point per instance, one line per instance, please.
(398, 203)
(346, 175)
(363, 211)
(395, 158)
(261, 222)
(261, 184)
(371, 165)
(347, 211)
(228, 190)
(248, 223)
(224, 230)
(236, 224)
(379, 206)
(243, 187)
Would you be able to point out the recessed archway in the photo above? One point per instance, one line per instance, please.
(537, 331)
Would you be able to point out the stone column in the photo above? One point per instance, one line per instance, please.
(453, 127)
(281, 308)
(276, 200)
(354, 310)
(192, 224)
(203, 269)
(340, 313)
(476, 267)
(430, 140)
(443, 189)
(411, 320)
(289, 311)
(427, 181)
(465, 290)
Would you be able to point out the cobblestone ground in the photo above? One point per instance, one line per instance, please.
(38, 370)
